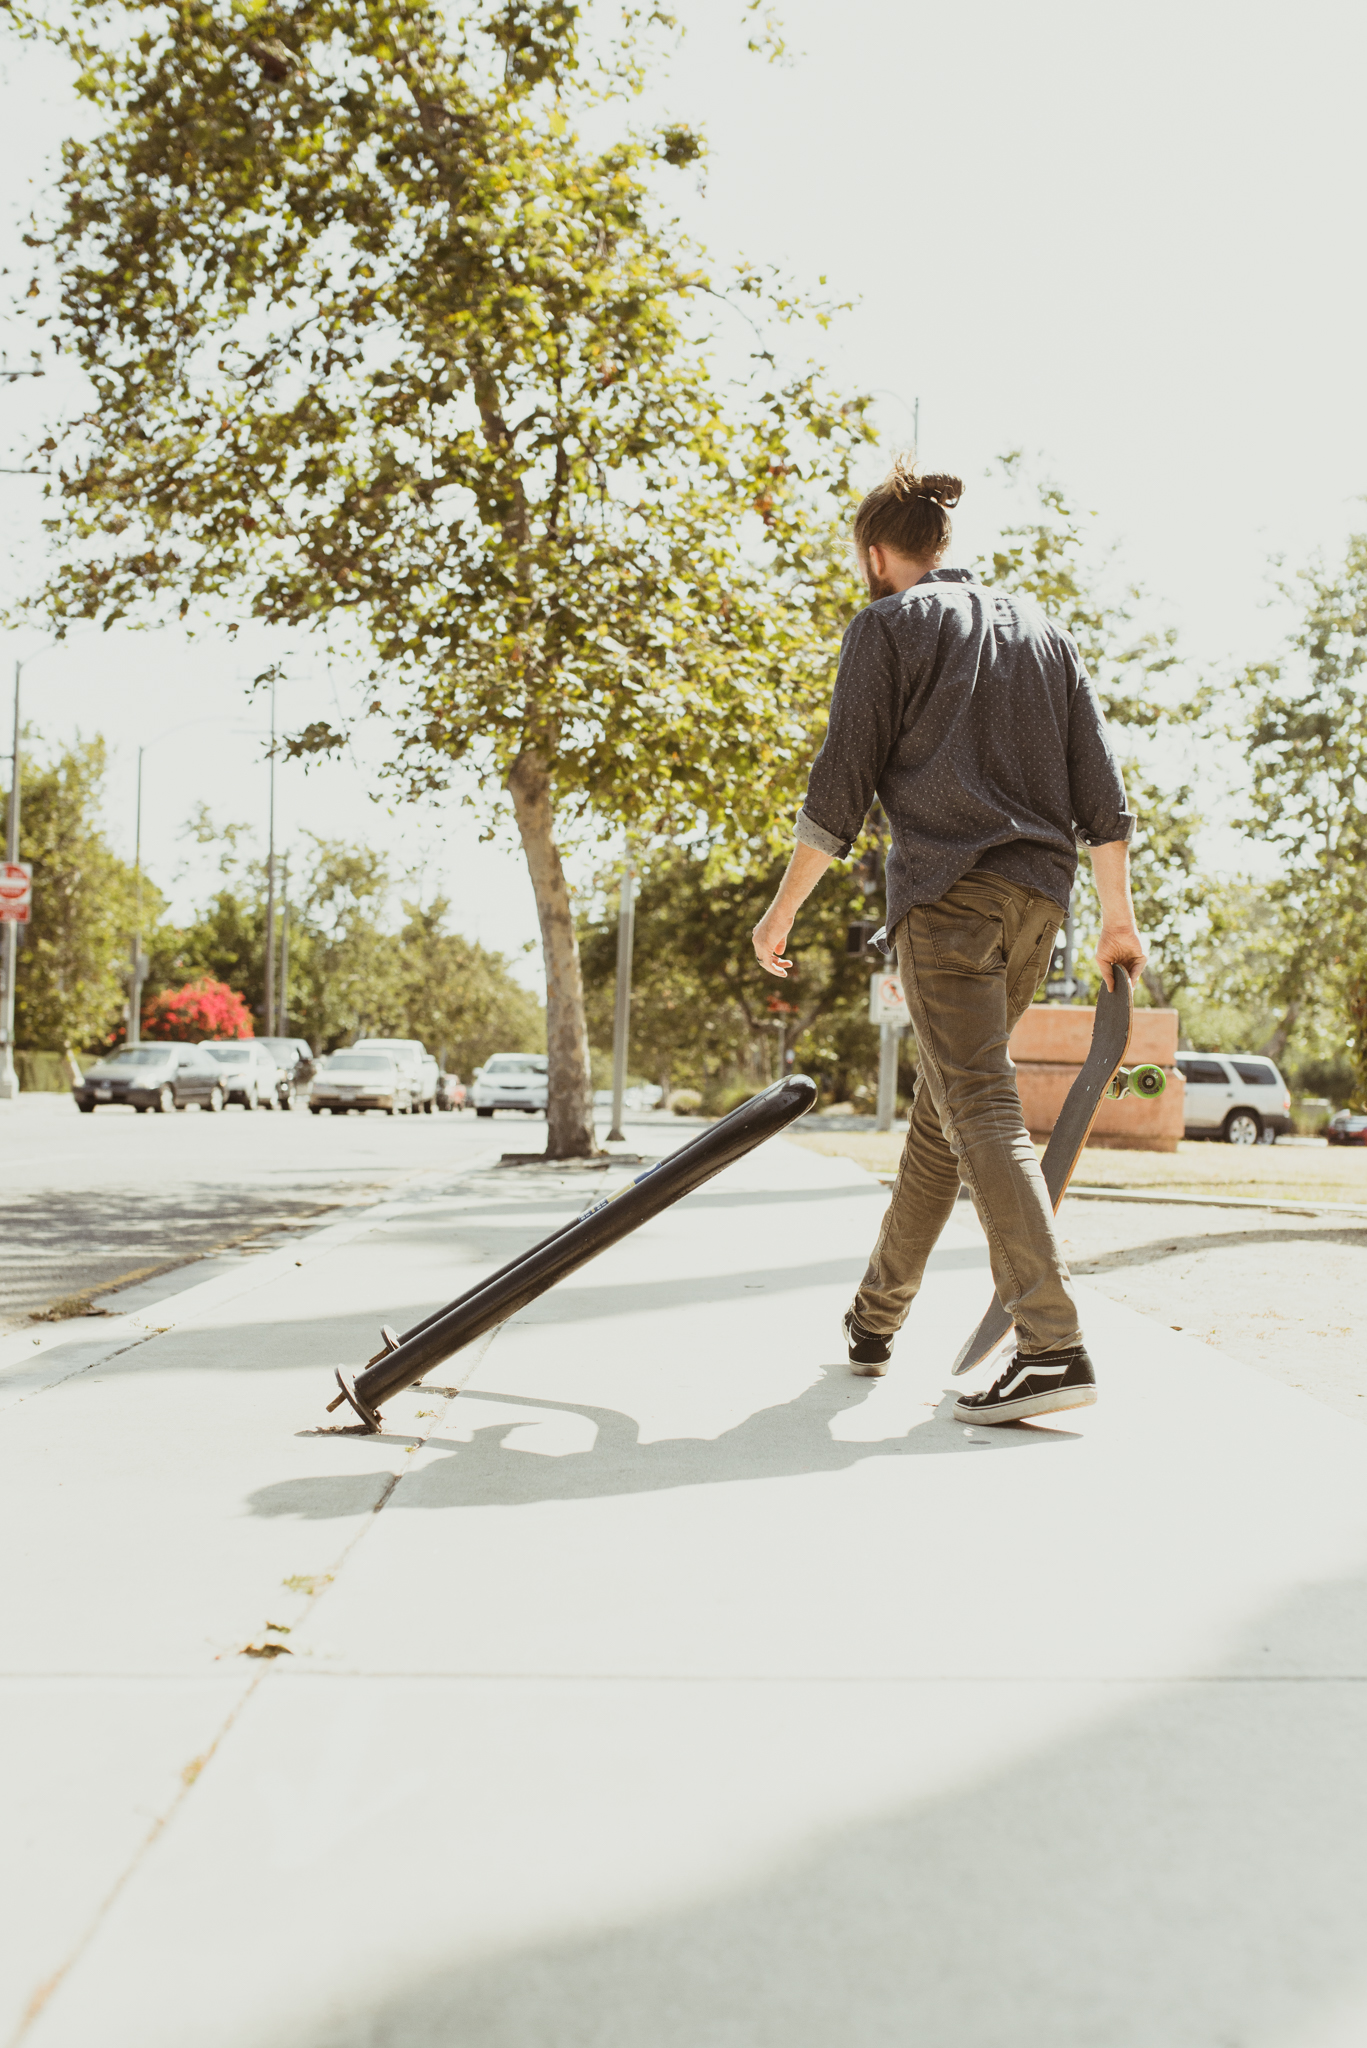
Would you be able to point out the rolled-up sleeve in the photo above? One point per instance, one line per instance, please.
(866, 712)
(1101, 813)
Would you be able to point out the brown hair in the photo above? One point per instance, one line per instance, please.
(908, 512)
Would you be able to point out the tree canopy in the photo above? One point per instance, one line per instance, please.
(382, 346)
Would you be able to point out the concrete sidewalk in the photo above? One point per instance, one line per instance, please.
(672, 1688)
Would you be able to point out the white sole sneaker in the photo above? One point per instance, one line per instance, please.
(1028, 1404)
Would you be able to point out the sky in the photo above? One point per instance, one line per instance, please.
(1125, 240)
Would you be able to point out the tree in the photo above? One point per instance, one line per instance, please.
(1306, 735)
(1047, 556)
(701, 1010)
(69, 988)
(381, 347)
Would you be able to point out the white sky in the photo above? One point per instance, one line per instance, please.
(1126, 239)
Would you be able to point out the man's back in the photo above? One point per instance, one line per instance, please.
(968, 713)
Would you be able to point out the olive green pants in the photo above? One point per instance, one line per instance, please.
(969, 965)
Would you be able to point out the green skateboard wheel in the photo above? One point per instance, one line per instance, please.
(1147, 1081)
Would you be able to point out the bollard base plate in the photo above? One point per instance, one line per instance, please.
(369, 1416)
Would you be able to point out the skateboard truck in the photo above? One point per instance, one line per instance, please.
(1145, 1082)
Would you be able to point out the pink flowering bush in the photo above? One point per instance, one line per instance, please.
(204, 1008)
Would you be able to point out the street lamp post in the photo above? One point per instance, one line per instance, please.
(269, 1006)
(281, 1026)
(9, 1079)
(621, 1008)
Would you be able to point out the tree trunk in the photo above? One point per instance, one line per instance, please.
(1153, 982)
(1276, 1044)
(569, 1115)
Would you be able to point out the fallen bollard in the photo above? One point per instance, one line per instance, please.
(406, 1358)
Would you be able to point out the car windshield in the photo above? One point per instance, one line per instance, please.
(141, 1056)
(357, 1063)
(231, 1055)
(280, 1048)
(509, 1063)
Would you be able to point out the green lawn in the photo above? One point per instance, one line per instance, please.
(1278, 1172)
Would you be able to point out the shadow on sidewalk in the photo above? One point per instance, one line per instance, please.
(789, 1440)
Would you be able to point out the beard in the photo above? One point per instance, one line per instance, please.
(879, 585)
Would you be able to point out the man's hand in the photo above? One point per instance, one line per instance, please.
(770, 935)
(1121, 946)
(769, 938)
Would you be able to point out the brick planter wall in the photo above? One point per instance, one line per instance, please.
(1049, 1045)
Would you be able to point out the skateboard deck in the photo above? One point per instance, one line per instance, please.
(1095, 1082)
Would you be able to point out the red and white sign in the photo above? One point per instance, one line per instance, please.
(887, 1004)
(16, 891)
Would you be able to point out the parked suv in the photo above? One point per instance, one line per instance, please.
(247, 1071)
(511, 1080)
(1239, 1097)
(157, 1077)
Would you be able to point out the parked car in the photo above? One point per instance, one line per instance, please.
(248, 1072)
(294, 1058)
(1239, 1097)
(157, 1077)
(1347, 1128)
(511, 1080)
(450, 1092)
(413, 1054)
(361, 1080)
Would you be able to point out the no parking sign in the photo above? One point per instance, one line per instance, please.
(16, 891)
(887, 1004)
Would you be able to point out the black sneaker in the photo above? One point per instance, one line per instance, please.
(869, 1354)
(1033, 1386)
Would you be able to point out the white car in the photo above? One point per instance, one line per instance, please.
(1239, 1097)
(361, 1080)
(412, 1054)
(249, 1073)
(511, 1080)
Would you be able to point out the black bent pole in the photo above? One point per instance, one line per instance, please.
(405, 1359)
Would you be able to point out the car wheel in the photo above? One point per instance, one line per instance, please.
(1243, 1127)
(86, 1108)
(166, 1100)
(140, 1108)
(484, 1112)
(315, 1109)
(214, 1100)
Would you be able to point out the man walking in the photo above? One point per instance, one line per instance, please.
(969, 715)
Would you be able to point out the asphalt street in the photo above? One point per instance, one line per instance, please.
(90, 1203)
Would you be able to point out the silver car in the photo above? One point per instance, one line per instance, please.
(249, 1074)
(360, 1081)
(1238, 1097)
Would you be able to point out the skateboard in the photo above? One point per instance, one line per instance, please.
(1102, 1078)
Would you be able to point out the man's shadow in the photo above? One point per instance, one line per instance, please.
(786, 1441)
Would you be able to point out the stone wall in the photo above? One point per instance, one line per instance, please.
(1049, 1046)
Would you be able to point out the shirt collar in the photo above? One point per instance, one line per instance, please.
(946, 576)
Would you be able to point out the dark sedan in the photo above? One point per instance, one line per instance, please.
(159, 1077)
(1347, 1128)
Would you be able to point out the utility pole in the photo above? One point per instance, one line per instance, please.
(282, 1028)
(621, 1007)
(137, 973)
(916, 431)
(889, 1039)
(269, 1005)
(9, 1079)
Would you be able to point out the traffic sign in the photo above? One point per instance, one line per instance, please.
(887, 1004)
(16, 891)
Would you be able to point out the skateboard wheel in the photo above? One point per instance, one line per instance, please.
(1148, 1081)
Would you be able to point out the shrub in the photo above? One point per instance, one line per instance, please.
(685, 1102)
(204, 1008)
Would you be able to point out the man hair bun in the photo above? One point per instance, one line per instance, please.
(908, 512)
(905, 481)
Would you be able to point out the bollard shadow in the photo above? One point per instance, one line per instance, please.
(792, 1439)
